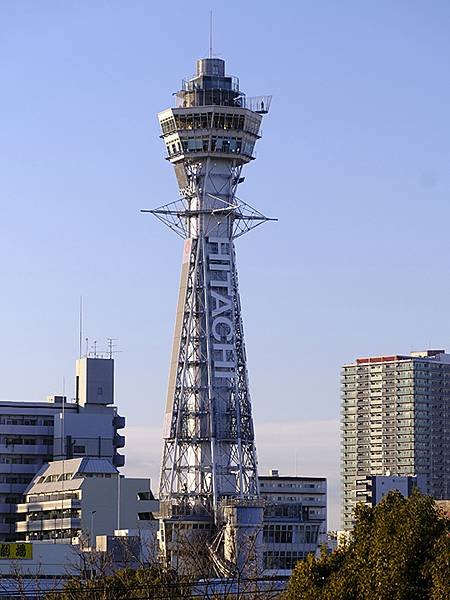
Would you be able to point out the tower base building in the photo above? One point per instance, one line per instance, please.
(295, 520)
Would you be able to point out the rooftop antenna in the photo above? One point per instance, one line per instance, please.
(63, 415)
(81, 324)
(210, 34)
(111, 347)
(63, 452)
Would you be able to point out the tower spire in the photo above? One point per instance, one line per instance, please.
(210, 34)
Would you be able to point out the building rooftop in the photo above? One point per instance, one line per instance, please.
(79, 466)
(292, 477)
(50, 476)
(437, 355)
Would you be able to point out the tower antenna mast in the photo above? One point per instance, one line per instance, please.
(210, 34)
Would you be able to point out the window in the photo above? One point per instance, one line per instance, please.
(282, 559)
(145, 496)
(194, 145)
(145, 516)
(278, 534)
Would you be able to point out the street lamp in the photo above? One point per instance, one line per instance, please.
(91, 537)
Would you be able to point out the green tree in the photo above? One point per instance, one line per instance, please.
(146, 582)
(440, 570)
(400, 550)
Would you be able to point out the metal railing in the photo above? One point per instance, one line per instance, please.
(217, 82)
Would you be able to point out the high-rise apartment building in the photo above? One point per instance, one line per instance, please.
(34, 433)
(396, 421)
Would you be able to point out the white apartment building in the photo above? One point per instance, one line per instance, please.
(34, 433)
(76, 500)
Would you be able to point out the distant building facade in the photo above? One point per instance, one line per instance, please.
(295, 519)
(34, 433)
(371, 489)
(396, 422)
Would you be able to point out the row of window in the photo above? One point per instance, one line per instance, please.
(283, 559)
(14, 478)
(300, 485)
(47, 515)
(67, 476)
(22, 460)
(24, 441)
(9, 499)
(53, 497)
(54, 534)
(210, 120)
(420, 368)
(283, 534)
(211, 144)
(46, 421)
(278, 534)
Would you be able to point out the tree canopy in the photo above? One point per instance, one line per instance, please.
(399, 550)
(145, 582)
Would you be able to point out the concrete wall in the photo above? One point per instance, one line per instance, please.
(48, 570)
(101, 495)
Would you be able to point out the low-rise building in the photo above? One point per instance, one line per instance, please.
(76, 500)
(371, 489)
(295, 519)
(31, 570)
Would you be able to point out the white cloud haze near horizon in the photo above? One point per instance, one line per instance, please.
(303, 448)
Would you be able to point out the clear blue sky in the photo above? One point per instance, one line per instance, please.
(354, 162)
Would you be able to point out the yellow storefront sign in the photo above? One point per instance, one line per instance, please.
(16, 551)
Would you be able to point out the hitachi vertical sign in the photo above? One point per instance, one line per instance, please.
(221, 308)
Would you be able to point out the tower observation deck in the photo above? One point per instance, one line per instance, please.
(209, 459)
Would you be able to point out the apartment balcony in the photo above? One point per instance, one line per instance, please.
(119, 422)
(27, 507)
(16, 469)
(119, 441)
(12, 488)
(118, 460)
(26, 449)
(48, 525)
(30, 430)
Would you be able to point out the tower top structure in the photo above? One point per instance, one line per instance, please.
(211, 86)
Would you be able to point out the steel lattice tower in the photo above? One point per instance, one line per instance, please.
(209, 445)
